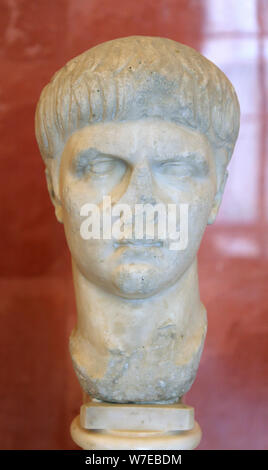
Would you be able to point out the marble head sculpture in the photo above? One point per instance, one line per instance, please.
(143, 120)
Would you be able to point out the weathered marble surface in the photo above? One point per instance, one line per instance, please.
(141, 101)
(100, 415)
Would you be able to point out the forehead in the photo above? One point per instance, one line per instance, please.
(131, 137)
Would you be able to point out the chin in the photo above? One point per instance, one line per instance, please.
(136, 280)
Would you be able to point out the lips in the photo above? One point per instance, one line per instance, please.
(139, 243)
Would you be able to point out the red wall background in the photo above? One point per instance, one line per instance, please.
(39, 393)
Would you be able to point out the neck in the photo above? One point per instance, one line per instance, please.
(114, 333)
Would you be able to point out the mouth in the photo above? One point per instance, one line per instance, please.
(138, 243)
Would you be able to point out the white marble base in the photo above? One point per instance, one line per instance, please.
(133, 417)
(134, 440)
(106, 426)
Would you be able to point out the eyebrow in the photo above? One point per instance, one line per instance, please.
(91, 152)
(192, 156)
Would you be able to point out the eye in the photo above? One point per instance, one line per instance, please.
(102, 167)
(187, 167)
(176, 168)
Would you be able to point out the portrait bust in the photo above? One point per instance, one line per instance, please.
(144, 120)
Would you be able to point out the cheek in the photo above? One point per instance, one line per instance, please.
(71, 213)
(197, 220)
(200, 200)
(86, 253)
(199, 197)
(202, 197)
(73, 198)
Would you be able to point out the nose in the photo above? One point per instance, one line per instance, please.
(140, 186)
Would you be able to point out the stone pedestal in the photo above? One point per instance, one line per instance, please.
(106, 426)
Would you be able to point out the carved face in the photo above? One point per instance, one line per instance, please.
(136, 162)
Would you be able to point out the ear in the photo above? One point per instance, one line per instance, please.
(217, 199)
(53, 191)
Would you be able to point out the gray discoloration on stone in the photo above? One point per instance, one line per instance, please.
(142, 102)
